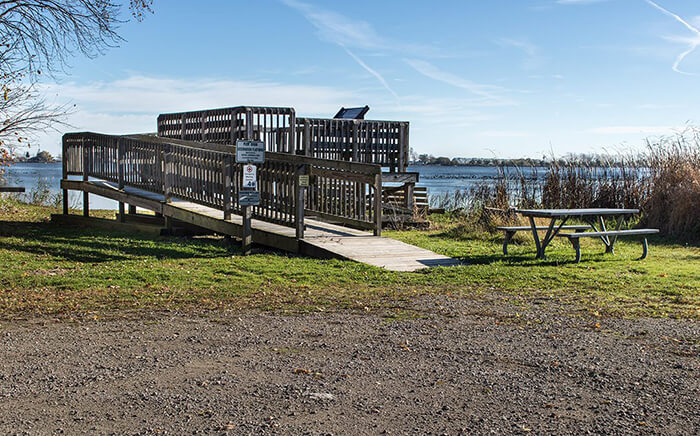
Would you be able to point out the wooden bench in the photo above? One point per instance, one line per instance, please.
(510, 231)
(609, 243)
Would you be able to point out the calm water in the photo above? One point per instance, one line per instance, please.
(437, 179)
(32, 175)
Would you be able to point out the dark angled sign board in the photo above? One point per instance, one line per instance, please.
(250, 151)
(248, 198)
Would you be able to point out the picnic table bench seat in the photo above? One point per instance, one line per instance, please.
(605, 235)
(510, 231)
(10, 189)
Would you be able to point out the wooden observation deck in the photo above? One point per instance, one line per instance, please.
(195, 181)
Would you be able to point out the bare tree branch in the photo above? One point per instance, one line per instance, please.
(38, 37)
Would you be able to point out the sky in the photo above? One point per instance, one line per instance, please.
(499, 78)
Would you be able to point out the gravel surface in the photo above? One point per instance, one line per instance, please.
(467, 367)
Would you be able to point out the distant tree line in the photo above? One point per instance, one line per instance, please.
(597, 160)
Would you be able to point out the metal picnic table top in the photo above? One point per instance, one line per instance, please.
(560, 213)
(11, 188)
(592, 216)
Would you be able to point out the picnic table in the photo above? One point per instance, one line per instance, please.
(594, 218)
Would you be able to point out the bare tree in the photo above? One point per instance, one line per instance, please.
(38, 38)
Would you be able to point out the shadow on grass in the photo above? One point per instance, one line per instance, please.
(96, 245)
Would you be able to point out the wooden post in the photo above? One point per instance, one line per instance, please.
(247, 235)
(355, 150)
(408, 195)
(299, 198)
(64, 164)
(293, 132)
(120, 172)
(378, 204)
(307, 137)
(227, 168)
(247, 212)
(86, 171)
(167, 174)
(402, 146)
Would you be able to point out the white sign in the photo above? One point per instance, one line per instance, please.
(250, 151)
(250, 177)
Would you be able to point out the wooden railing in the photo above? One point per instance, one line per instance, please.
(384, 143)
(346, 192)
(271, 125)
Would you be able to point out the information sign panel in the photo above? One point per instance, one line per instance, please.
(250, 151)
(248, 198)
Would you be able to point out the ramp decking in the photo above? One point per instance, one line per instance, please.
(321, 239)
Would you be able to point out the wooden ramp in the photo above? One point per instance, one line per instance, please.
(321, 239)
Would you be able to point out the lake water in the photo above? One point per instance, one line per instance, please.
(438, 179)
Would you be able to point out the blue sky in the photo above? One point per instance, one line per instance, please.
(501, 78)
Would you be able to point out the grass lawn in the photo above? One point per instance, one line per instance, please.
(48, 269)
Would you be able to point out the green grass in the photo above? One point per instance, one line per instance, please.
(48, 269)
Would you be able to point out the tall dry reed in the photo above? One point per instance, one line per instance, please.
(663, 182)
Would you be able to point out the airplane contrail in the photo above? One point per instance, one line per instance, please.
(693, 44)
(372, 72)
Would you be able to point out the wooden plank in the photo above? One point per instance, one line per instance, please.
(400, 177)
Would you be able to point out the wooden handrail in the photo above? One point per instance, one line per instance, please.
(204, 173)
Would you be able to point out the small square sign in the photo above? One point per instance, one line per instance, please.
(250, 176)
(304, 180)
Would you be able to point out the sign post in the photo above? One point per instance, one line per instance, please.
(249, 153)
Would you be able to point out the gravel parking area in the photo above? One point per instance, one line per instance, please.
(467, 367)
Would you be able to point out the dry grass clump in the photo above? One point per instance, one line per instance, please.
(663, 182)
(673, 202)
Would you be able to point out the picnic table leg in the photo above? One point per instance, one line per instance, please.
(506, 240)
(611, 247)
(577, 246)
(606, 240)
(645, 249)
(537, 238)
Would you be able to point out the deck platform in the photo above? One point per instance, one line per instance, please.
(321, 239)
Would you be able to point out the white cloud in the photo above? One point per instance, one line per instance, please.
(504, 134)
(531, 51)
(132, 104)
(339, 29)
(646, 130)
(579, 2)
(489, 94)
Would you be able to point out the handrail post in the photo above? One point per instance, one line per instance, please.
(227, 167)
(293, 132)
(86, 172)
(402, 147)
(378, 203)
(307, 137)
(64, 165)
(120, 175)
(167, 176)
(299, 198)
(355, 151)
